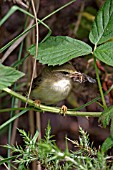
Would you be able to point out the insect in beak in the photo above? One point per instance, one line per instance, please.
(81, 77)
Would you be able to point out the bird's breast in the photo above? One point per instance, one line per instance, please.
(63, 85)
(50, 92)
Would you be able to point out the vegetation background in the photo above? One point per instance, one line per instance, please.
(74, 21)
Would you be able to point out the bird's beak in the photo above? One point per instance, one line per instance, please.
(81, 77)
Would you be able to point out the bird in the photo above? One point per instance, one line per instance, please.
(54, 83)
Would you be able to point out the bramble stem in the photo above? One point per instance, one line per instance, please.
(49, 108)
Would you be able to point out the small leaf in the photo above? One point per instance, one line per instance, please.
(8, 76)
(35, 137)
(6, 160)
(102, 29)
(59, 50)
(108, 143)
(106, 116)
(105, 53)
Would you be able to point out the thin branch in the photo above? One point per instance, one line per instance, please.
(79, 18)
(37, 39)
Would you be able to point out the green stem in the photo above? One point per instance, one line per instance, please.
(11, 109)
(99, 85)
(9, 121)
(10, 132)
(48, 108)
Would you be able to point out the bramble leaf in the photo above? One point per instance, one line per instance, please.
(105, 53)
(8, 76)
(106, 116)
(108, 143)
(102, 28)
(59, 50)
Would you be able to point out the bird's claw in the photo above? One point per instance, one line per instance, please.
(37, 102)
(63, 110)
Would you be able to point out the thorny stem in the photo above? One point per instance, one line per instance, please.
(48, 108)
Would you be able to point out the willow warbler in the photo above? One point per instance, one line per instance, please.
(55, 83)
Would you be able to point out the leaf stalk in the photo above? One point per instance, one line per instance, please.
(99, 84)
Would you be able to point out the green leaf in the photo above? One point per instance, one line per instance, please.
(35, 137)
(8, 76)
(102, 29)
(106, 116)
(108, 143)
(59, 50)
(6, 160)
(105, 53)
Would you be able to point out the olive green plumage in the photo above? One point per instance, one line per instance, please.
(55, 83)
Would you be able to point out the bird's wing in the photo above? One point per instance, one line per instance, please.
(36, 82)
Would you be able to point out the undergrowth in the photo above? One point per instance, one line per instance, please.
(46, 153)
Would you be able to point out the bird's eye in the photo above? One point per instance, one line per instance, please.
(65, 72)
